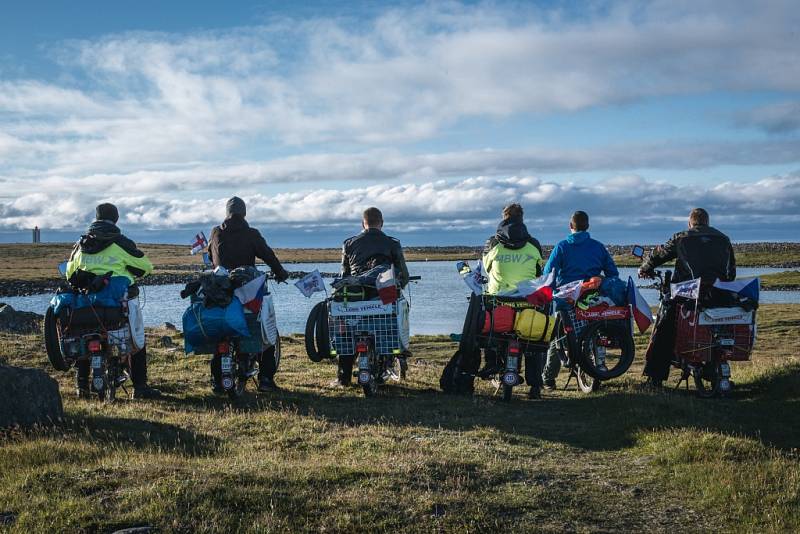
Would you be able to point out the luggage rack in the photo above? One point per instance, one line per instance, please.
(346, 322)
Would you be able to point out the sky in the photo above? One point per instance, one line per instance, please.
(438, 113)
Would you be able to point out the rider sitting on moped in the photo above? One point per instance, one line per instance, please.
(235, 244)
(364, 252)
(103, 250)
(578, 257)
(511, 256)
(700, 252)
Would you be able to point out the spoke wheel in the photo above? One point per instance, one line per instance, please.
(586, 383)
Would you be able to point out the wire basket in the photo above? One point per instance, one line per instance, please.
(347, 321)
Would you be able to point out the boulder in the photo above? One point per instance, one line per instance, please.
(28, 397)
(19, 322)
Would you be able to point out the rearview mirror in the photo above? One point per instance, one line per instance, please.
(638, 251)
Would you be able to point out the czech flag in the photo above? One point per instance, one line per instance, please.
(642, 315)
(539, 291)
(252, 293)
(746, 287)
(387, 286)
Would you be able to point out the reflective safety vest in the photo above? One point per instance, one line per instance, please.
(112, 258)
(506, 267)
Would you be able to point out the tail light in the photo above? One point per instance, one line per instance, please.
(361, 347)
(95, 345)
(223, 347)
(513, 347)
(568, 329)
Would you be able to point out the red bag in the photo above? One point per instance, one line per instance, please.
(500, 320)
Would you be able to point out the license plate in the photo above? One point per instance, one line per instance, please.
(227, 363)
(97, 361)
(726, 342)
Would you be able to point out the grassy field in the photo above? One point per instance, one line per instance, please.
(38, 262)
(314, 458)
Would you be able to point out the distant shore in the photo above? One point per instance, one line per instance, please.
(29, 269)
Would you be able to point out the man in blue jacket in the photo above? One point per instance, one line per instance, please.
(578, 257)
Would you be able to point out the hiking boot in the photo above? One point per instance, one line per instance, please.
(534, 393)
(549, 385)
(265, 385)
(146, 392)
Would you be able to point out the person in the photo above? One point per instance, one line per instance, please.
(511, 256)
(702, 252)
(363, 252)
(235, 244)
(578, 257)
(101, 250)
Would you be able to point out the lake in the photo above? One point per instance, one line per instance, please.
(438, 301)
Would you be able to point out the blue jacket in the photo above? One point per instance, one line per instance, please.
(579, 257)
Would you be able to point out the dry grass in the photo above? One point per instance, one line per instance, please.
(323, 459)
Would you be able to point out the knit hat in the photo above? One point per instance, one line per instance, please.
(107, 212)
(235, 206)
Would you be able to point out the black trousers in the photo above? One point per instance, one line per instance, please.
(662, 343)
(138, 370)
(345, 372)
(534, 363)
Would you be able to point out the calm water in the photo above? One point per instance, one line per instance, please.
(438, 301)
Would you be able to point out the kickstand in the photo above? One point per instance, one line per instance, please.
(683, 378)
(572, 373)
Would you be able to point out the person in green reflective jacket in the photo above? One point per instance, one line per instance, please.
(102, 250)
(511, 256)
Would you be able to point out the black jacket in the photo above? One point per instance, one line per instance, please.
(370, 248)
(701, 252)
(234, 244)
(102, 234)
(513, 234)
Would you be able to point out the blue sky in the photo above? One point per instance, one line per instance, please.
(439, 113)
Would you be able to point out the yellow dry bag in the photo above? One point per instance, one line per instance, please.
(534, 325)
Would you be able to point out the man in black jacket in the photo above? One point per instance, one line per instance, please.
(366, 251)
(699, 252)
(234, 244)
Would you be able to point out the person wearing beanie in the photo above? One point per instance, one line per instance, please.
(235, 244)
(104, 250)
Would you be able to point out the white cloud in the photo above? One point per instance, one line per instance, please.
(625, 201)
(150, 100)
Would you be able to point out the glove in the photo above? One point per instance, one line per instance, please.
(646, 273)
(281, 276)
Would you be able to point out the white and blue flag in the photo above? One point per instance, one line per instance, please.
(689, 289)
(745, 287)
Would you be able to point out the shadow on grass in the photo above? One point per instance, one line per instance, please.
(140, 434)
(764, 409)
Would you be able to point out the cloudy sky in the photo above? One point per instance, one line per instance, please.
(438, 113)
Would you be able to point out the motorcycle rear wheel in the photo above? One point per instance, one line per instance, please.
(586, 383)
(707, 380)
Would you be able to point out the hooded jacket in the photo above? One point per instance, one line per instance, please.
(235, 244)
(511, 256)
(579, 257)
(370, 248)
(104, 249)
(701, 252)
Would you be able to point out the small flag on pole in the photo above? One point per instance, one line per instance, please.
(746, 287)
(473, 279)
(200, 242)
(387, 286)
(642, 315)
(689, 289)
(310, 283)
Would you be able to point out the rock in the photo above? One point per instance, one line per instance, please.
(7, 518)
(170, 326)
(166, 342)
(28, 397)
(19, 322)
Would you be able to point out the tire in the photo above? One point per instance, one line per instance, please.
(508, 393)
(472, 325)
(569, 346)
(277, 355)
(706, 380)
(586, 383)
(237, 391)
(51, 342)
(370, 389)
(317, 340)
(620, 333)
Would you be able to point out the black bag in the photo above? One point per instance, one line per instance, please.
(456, 377)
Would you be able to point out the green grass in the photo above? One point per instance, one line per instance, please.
(323, 459)
(785, 279)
